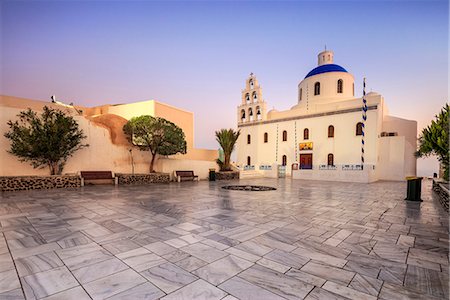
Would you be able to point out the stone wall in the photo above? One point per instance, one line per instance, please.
(227, 175)
(143, 178)
(16, 183)
(442, 190)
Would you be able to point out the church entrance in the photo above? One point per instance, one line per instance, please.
(305, 161)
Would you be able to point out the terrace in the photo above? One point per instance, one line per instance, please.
(305, 240)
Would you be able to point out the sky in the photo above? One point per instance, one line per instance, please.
(196, 55)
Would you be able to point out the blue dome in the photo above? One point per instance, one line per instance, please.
(325, 69)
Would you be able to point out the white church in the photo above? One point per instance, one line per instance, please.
(324, 136)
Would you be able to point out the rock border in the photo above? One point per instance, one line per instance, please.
(227, 175)
(442, 190)
(130, 179)
(21, 183)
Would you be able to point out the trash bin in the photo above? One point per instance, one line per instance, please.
(212, 175)
(414, 188)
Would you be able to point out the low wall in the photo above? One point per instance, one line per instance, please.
(143, 178)
(200, 167)
(227, 175)
(366, 175)
(17, 183)
(441, 188)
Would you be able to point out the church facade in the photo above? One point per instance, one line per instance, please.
(328, 135)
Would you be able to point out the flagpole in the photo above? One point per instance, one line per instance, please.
(364, 118)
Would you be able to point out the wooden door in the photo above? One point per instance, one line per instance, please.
(305, 161)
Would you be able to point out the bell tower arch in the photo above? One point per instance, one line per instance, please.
(253, 106)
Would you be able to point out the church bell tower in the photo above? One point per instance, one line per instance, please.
(253, 107)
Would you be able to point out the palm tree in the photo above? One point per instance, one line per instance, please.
(227, 139)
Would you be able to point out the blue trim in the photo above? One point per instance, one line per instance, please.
(325, 69)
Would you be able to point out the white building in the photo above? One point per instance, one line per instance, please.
(324, 132)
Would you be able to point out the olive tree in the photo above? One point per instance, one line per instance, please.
(45, 140)
(434, 140)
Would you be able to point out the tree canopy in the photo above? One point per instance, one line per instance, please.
(45, 140)
(157, 135)
(434, 140)
(227, 139)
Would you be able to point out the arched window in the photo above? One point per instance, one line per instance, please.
(306, 134)
(247, 97)
(330, 159)
(340, 86)
(242, 115)
(258, 113)
(249, 161)
(316, 88)
(284, 136)
(359, 128)
(300, 95)
(250, 114)
(255, 97)
(266, 137)
(284, 160)
(251, 83)
(249, 139)
(331, 131)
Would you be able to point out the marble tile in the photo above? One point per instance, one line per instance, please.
(390, 252)
(321, 294)
(427, 281)
(76, 293)
(47, 283)
(287, 258)
(160, 248)
(37, 263)
(199, 289)
(187, 226)
(398, 292)
(99, 270)
(176, 256)
(6, 262)
(9, 281)
(120, 246)
(113, 284)
(77, 250)
(346, 292)
(243, 254)
(273, 265)
(254, 248)
(245, 290)
(406, 241)
(366, 284)
(324, 258)
(204, 252)
(141, 259)
(215, 244)
(25, 252)
(328, 272)
(222, 269)
(277, 283)
(145, 291)
(16, 294)
(168, 277)
(87, 259)
(306, 277)
(190, 263)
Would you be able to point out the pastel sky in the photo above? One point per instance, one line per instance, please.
(196, 55)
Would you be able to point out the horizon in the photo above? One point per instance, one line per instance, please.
(96, 53)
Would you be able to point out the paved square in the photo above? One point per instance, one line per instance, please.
(306, 240)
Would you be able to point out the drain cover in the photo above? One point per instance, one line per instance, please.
(251, 188)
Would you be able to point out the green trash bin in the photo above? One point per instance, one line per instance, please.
(414, 188)
(212, 175)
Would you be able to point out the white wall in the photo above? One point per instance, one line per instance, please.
(367, 175)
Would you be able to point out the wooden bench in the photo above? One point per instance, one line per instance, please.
(98, 175)
(187, 175)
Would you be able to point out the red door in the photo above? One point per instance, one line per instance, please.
(305, 161)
